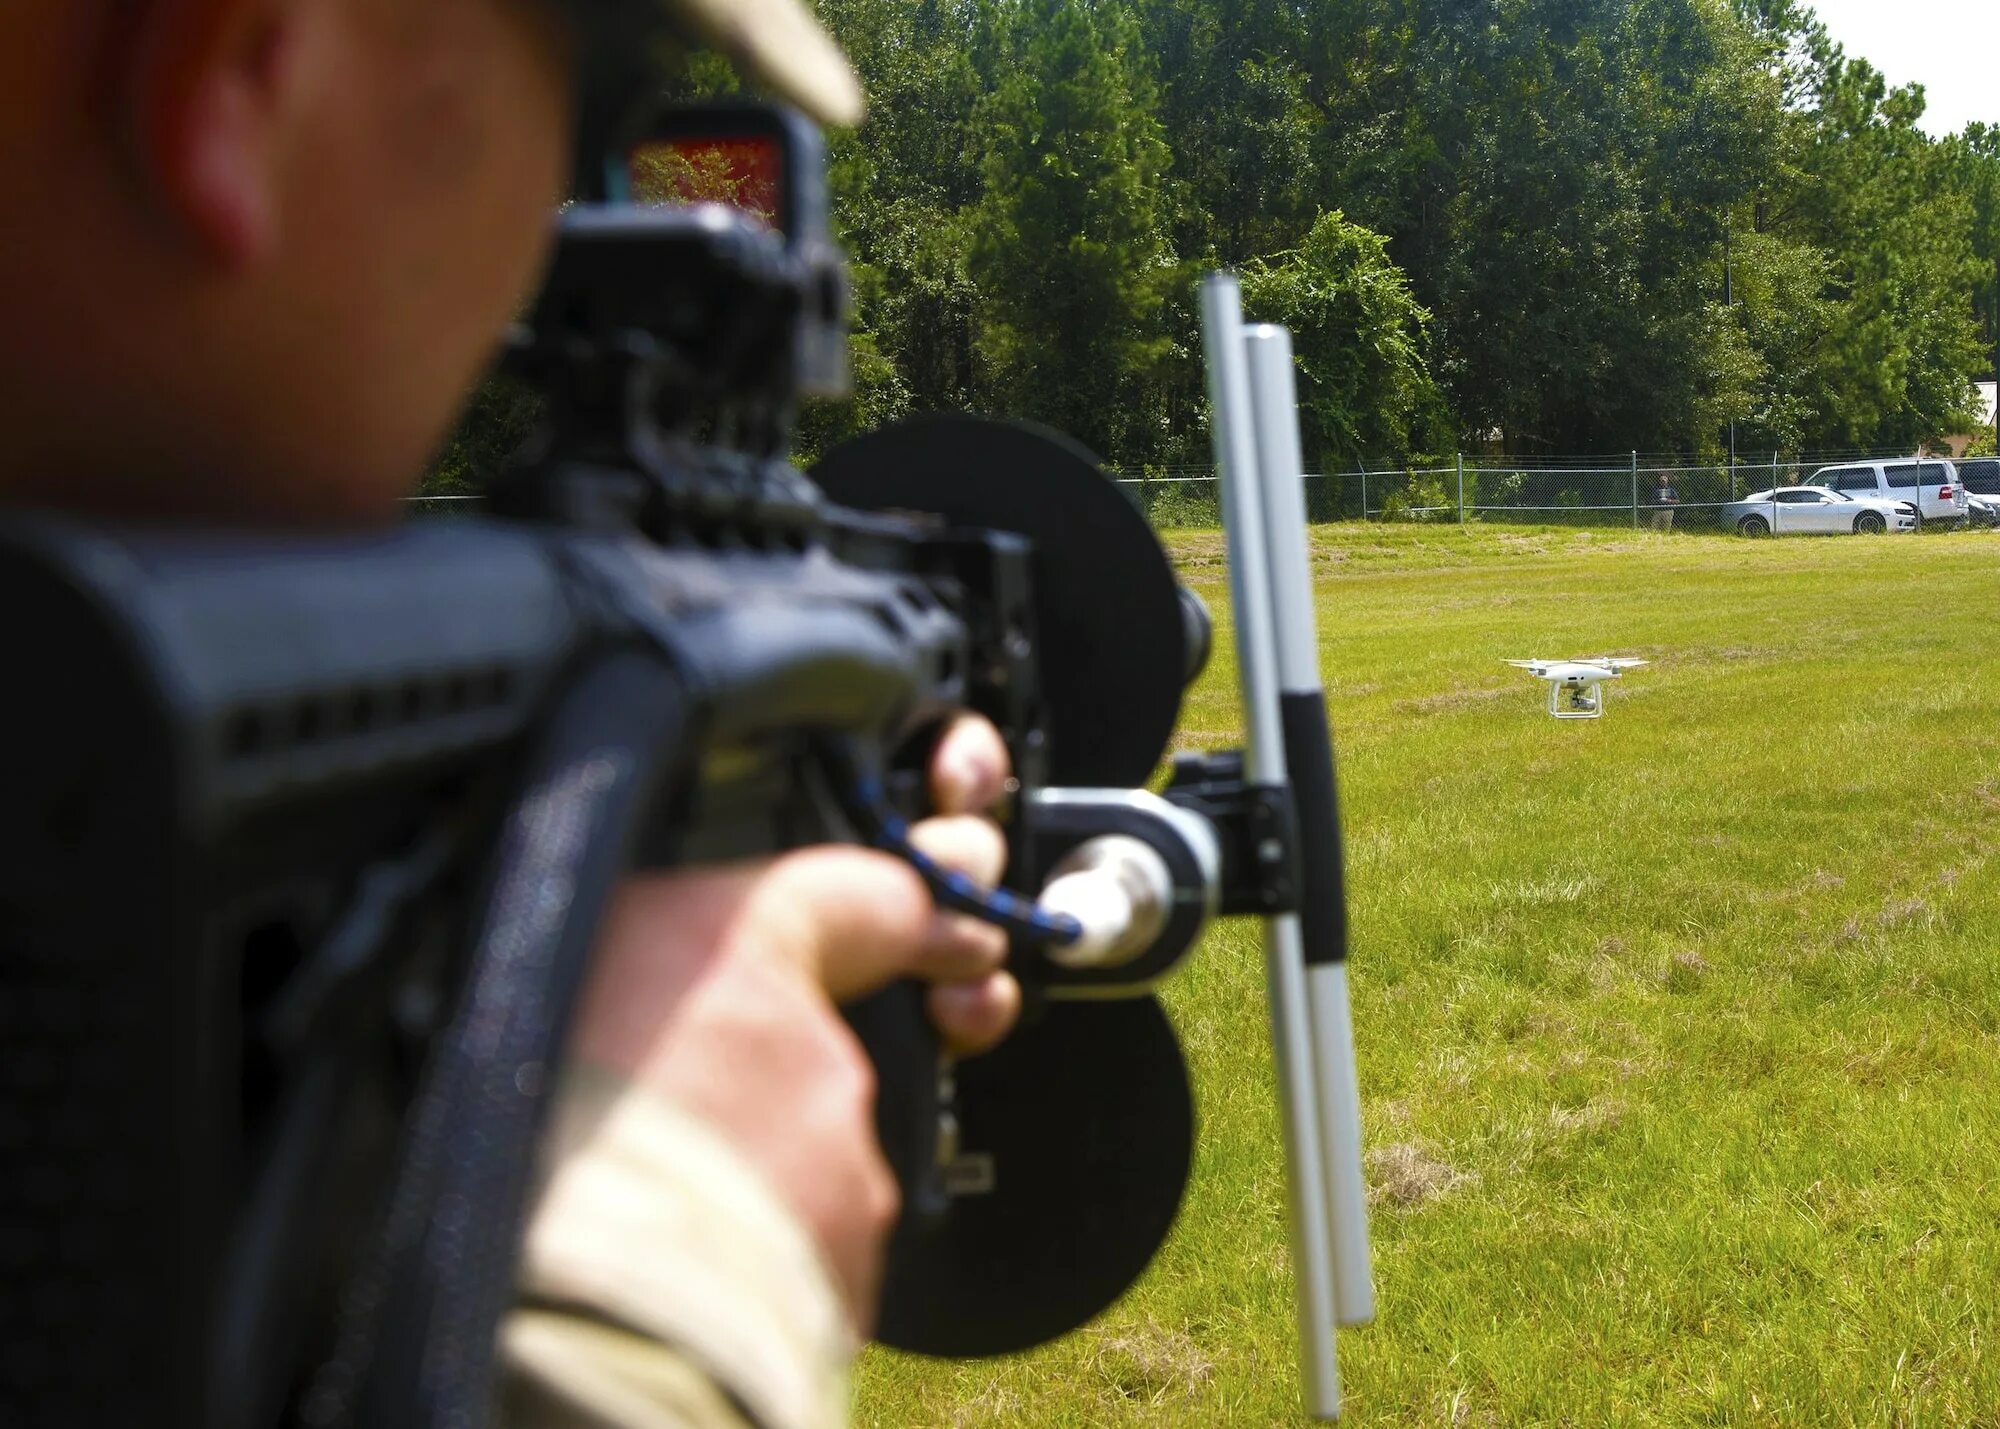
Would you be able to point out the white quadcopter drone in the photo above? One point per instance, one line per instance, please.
(1576, 686)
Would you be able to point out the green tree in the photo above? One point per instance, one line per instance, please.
(495, 423)
(1067, 244)
(1365, 387)
(1974, 158)
(1874, 193)
(1558, 184)
(902, 185)
(1565, 224)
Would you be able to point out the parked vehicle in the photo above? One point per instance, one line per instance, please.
(1981, 479)
(1930, 484)
(1816, 511)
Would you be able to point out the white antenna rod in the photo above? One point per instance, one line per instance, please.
(1236, 459)
(1309, 761)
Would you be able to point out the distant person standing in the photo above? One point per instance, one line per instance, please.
(1665, 499)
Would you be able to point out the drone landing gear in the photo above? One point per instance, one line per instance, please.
(1576, 702)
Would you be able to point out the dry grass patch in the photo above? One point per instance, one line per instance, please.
(1405, 1174)
(1151, 1363)
(1201, 741)
(1899, 911)
(1594, 1115)
(1199, 551)
(1454, 700)
(1685, 971)
(993, 1404)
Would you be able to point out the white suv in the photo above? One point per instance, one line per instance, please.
(1930, 484)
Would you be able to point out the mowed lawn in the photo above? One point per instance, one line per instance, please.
(1679, 1031)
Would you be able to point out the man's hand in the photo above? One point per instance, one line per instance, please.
(718, 991)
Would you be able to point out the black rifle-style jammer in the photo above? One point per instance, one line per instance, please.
(307, 840)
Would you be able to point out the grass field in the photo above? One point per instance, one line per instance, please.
(1677, 1030)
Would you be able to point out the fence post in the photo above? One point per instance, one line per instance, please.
(1364, 493)
(1635, 491)
(1461, 488)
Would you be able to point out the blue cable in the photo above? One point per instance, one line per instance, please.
(868, 807)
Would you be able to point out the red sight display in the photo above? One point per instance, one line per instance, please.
(740, 171)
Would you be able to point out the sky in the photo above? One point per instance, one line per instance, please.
(1951, 47)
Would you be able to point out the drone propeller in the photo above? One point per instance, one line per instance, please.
(1602, 662)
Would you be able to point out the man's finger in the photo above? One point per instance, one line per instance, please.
(972, 1017)
(969, 768)
(961, 949)
(855, 919)
(972, 846)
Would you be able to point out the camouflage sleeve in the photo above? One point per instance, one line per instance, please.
(664, 1284)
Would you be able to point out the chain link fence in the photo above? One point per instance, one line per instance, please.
(462, 505)
(1637, 493)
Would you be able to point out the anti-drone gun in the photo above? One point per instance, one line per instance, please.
(308, 840)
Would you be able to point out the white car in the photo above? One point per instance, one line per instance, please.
(1981, 478)
(1929, 484)
(1816, 511)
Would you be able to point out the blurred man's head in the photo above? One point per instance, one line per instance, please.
(259, 249)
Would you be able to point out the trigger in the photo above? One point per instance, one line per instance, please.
(908, 793)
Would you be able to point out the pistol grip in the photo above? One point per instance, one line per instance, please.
(910, 1112)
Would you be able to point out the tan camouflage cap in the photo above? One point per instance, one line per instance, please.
(780, 43)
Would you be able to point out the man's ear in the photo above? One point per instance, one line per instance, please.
(208, 99)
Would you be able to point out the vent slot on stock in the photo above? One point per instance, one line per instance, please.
(264, 729)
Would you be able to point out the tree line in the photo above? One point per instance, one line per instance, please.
(1546, 226)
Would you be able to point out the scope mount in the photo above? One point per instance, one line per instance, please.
(672, 345)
